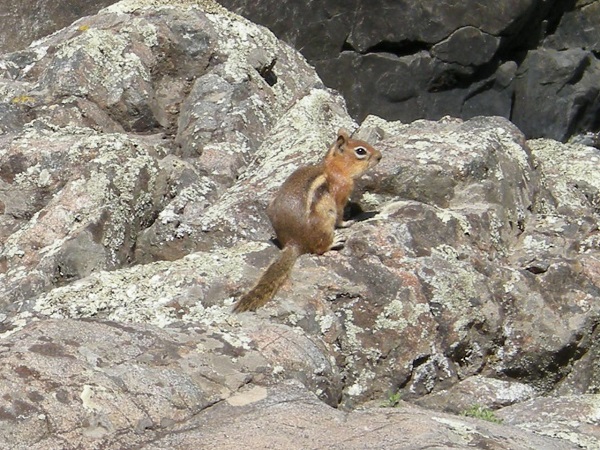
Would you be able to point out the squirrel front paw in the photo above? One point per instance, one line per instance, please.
(338, 242)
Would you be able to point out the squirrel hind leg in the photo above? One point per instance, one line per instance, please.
(320, 231)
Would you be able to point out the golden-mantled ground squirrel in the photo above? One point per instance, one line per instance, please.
(306, 210)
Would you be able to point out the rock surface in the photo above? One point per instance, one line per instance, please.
(179, 388)
(516, 59)
(27, 20)
(139, 148)
(533, 61)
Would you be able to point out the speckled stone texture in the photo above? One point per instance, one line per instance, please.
(139, 148)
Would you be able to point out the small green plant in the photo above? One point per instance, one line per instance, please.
(481, 412)
(392, 400)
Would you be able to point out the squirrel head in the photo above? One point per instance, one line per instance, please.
(350, 157)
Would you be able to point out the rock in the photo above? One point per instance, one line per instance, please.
(120, 384)
(80, 198)
(108, 382)
(467, 46)
(405, 61)
(563, 86)
(571, 177)
(417, 61)
(484, 392)
(577, 28)
(26, 21)
(84, 384)
(309, 423)
(496, 97)
(140, 150)
(566, 416)
(127, 92)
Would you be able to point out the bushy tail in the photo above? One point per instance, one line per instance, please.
(270, 281)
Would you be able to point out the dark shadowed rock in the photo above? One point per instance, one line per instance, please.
(563, 86)
(467, 46)
(407, 60)
(577, 29)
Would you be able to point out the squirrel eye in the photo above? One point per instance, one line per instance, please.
(360, 152)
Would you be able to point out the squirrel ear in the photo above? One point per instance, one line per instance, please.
(342, 138)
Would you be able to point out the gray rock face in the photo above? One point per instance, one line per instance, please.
(138, 152)
(412, 60)
(563, 87)
(28, 20)
(136, 386)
